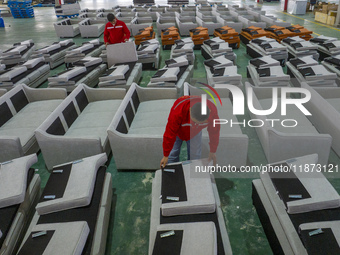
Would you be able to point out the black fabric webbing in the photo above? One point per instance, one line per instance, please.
(170, 61)
(332, 60)
(159, 73)
(219, 72)
(36, 245)
(297, 45)
(57, 183)
(288, 40)
(321, 215)
(7, 214)
(307, 71)
(19, 100)
(211, 63)
(296, 61)
(173, 184)
(263, 72)
(5, 113)
(170, 245)
(329, 45)
(257, 62)
(87, 213)
(286, 183)
(324, 243)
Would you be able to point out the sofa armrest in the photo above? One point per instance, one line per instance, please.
(130, 151)
(284, 146)
(44, 93)
(99, 94)
(57, 149)
(10, 148)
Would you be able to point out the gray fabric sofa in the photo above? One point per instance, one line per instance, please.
(325, 109)
(23, 109)
(136, 132)
(67, 28)
(16, 176)
(209, 22)
(280, 142)
(202, 198)
(77, 128)
(91, 28)
(81, 229)
(184, 24)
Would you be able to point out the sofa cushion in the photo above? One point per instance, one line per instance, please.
(94, 120)
(25, 122)
(151, 117)
(13, 182)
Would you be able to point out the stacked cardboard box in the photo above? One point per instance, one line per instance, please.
(278, 33)
(199, 35)
(229, 35)
(326, 13)
(251, 33)
(169, 36)
(300, 31)
(144, 35)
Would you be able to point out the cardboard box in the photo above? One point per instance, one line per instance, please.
(321, 17)
(325, 8)
(332, 7)
(332, 13)
(317, 8)
(331, 20)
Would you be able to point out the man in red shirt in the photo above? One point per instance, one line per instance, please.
(115, 31)
(185, 123)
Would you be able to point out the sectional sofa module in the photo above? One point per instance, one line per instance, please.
(19, 193)
(292, 135)
(22, 110)
(136, 132)
(291, 205)
(77, 218)
(325, 109)
(91, 28)
(77, 128)
(67, 28)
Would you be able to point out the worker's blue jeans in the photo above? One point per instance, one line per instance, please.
(194, 148)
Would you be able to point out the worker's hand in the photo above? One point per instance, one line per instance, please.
(164, 162)
(106, 44)
(212, 156)
(126, 40)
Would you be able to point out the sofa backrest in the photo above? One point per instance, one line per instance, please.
(127, 110)
(12, 102)
(64, 22)
(68, 112)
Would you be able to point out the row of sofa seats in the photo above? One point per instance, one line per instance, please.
(73, 27)
(92, 121)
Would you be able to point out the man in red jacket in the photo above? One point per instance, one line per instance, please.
(185, 123)
(115, 31)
